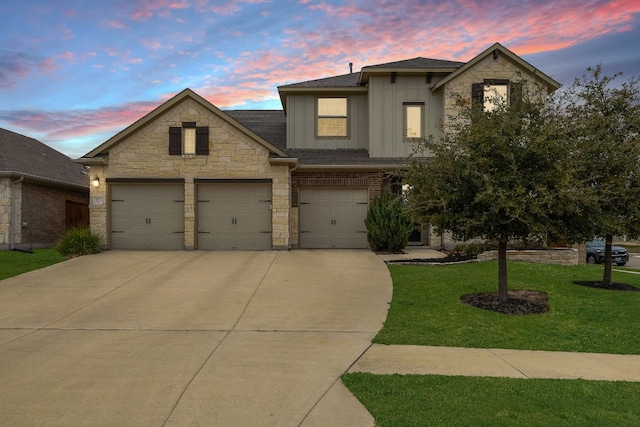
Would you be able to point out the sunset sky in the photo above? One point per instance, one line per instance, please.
(73, 73)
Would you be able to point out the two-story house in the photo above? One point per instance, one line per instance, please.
(191, 176)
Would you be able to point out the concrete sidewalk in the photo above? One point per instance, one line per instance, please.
(430, 360)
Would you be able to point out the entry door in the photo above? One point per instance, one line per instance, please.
(333, 218)
(234, 216)
(147, 216)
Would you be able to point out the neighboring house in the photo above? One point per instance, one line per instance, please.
(190, 176)
(42, 193)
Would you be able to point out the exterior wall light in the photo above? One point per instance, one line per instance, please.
(96, 181)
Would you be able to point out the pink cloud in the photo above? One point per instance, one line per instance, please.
(116, 24)
(148, 8)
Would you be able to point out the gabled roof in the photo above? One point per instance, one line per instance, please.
(95, 156)
(356, 82)
(28, 157)
(498, 49)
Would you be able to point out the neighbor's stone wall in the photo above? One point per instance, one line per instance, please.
(550, 256)
(232, 155)
(487, 68)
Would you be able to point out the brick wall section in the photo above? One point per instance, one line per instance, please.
(44, 212)
(374, 182)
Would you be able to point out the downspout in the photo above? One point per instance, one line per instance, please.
(12, 222)
(290, 204)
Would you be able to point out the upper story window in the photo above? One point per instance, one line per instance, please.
(188, 140)
(332, 117)
(493, 93)
(413, 120)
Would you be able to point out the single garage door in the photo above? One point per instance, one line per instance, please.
(333, 218)
(234, 216)
(147, 216)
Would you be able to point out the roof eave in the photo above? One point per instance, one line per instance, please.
(347, 167)
(42, 180)
(366, 73)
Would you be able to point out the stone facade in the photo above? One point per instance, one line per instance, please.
(232, 155)
(488, 68)
(5, 211)
(551, 256)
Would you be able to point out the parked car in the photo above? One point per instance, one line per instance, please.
(595, 253)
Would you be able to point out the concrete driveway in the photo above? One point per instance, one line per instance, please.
(189, 338)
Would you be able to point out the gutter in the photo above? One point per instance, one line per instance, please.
(12, 222)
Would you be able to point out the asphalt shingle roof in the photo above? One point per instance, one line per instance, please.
(21, 155)
(344, 80)
(419, 62)
(269, 124)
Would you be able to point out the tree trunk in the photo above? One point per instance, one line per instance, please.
(502, 271)
(606, 278)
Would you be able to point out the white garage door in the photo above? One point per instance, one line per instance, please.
(333, 218)
(147, 216)
(234, 216)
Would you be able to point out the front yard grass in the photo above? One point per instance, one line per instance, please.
(426, 309)
(13, 263)
(434, 400)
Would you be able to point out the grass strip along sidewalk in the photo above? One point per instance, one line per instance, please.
(426, 310)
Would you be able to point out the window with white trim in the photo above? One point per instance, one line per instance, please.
(332, 120)
(413, 120)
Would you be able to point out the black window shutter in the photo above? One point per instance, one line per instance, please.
(202, 140)
(477, 94)
(515, 93)
(175, 141)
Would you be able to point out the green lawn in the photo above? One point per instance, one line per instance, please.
(434, 400)
(426, 309)
(13, 263)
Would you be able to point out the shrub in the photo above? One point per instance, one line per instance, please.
(78, 241)
(469, 248)
(388, 225)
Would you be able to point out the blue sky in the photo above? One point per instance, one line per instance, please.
(75, 72)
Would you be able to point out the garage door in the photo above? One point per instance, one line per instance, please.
(147, 216)
(234, 216)
(333, 218)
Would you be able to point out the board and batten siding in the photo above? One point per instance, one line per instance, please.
(301, 124)
(386, 115)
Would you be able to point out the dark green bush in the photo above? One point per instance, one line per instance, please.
(388, 225)
(78, 241)
(469, 248)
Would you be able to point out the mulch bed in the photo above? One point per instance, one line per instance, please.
(611, 287)
(445, 260)
(519, 302)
